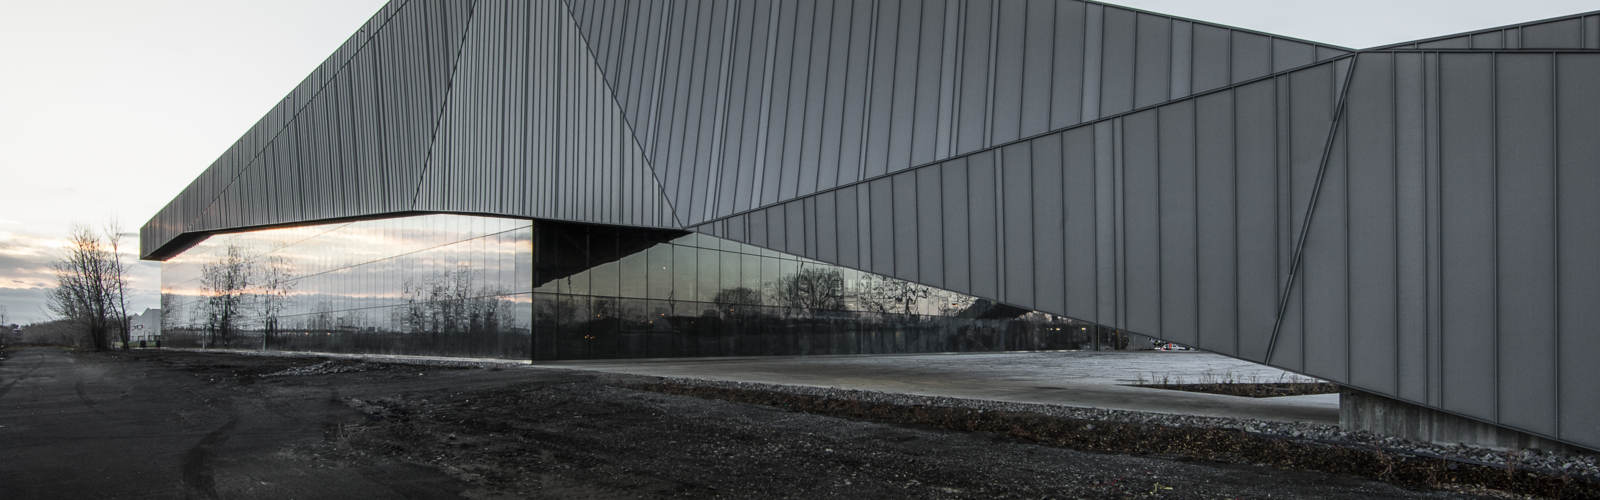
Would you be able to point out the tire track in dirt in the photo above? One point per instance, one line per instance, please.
(198, 478)
(39, 361)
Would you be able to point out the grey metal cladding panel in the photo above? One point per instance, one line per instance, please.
(1093, 60)
(857, 87)
(930, 226)
(832, 127)
(865, 227)
(1152, 82)
(903, 120)
(1106, 256)
(1462, 42)
(1526, 253)
(827, 226)
(777, 234)
(975, 76)
(1373, 181)
(758, 228)
(1578, 122)
(1141, 227)
(794, 225)
(953, 177)
(1251, 56)
(983, 225)
(1010, 36)
(1491, 40)
(1411, 227)
(741, 78)
(880, 198)
(880, 99)
(1324, 279)
(1288, 54)
(1563, 34)
(925, 124)
(1016, 223)
(1038, 50)
(849, 227)
(1066, 98)
(796, 104)
(808, 222)
(1255, 228)
(1049, 225)
(1323, 303)
(1467, 240)
(752, 130)
(1591, 32)
(1182, 67)
(904, 191)
(1179, 213)
(1215, 203)
(1077, 192)
(1211, 57)
(1116, 62)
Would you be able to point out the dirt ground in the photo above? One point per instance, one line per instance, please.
(170, 424)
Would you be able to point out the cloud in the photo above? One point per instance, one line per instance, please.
(26, 276)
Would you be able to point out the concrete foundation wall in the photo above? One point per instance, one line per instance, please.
(1362, 411)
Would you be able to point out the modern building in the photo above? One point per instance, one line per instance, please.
(576, 178)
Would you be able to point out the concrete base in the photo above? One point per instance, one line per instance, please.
(1361, 411)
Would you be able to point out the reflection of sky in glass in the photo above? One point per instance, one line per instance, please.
(364, 273)
(349, 271)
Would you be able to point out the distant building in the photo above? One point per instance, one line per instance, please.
(145, 325)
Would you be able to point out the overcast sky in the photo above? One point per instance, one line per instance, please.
(109, 108)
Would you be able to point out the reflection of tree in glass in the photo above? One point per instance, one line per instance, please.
(448, 304)
(224, 283)
(812, 290)
(276, 278)
(882, 294)
(727, 298)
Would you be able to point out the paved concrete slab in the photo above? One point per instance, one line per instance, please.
(1084, 379)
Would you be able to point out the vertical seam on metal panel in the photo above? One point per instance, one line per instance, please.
(1094, 215)
(1161, 281)
(827, 76)
(444, 102)
(1233, 104)
(1438, 111)
(1394, 172)
(866, 94)
(1194, 165)
(1344, 144)
(1555, 212)
(1033, 247)
(1050, 93)
(1316, 190)
(956, 79)
(888, 165)
(1494, 203)
(988, 99)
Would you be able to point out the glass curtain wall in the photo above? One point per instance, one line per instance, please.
(603, 292)
(454, 285)
(446, 285)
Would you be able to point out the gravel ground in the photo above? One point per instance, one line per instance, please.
(1577, 466)
(588, 435)
(305, 427)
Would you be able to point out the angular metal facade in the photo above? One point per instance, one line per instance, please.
(1417, 221)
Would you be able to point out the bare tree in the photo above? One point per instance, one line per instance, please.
(812, 290)
(225, 283)
(119, 273)
(90, 286)
(276, 276)
(883, 294)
